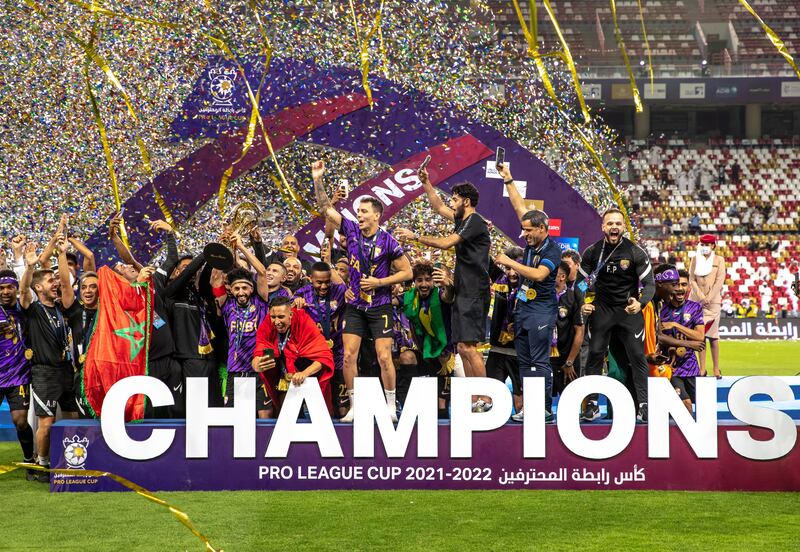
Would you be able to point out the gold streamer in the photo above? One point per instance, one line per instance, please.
(537, 58)
(637, 100)
(569, 61)
(364, 47)
(533, 51)
(182, 516)
(112, 78)
(647, 46)
(219, 43)
(101, 129)
(615, 193)
(773, 37)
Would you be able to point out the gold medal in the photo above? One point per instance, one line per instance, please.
(29, 353)
(530, 294)
(82, 358)
(9, 335)
(365, 296)
(680, 351)
(330, 343)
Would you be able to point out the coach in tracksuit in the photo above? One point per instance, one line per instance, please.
(536, 306)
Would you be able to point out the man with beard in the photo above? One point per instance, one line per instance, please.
(615, 268)
(502, 360)
(15, 369)
(162, 361)
(81, 321)
(377, 262)
(295, 275)
(536, 305)
(471, 239)
(243, 312)
(289, 349)
(682, 319)
(50, 349)
(428, 309)
(324, 301)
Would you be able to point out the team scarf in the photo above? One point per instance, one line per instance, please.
(120, 342)
(428, 322)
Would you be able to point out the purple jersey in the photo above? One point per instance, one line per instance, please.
(15, 369)
(330, 308)
(242, 324)
(371, 257)
(688, 315)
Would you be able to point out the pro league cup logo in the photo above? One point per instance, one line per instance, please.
(75, 451)
(222, 85)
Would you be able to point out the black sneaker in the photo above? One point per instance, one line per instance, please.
(642, 415)
(591, 412)
(43, 476)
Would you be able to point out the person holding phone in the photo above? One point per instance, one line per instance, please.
(290, 348)
(377, 262)
(536, 305)
(470, 237)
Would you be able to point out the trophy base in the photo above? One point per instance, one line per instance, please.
(218, 256)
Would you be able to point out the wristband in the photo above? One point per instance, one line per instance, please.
(219, 291)
(506, 182)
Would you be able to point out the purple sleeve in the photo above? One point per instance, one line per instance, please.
(393, 247)
(349, 228)
(697, 315)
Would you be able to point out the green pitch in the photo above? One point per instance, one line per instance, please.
(416, 520)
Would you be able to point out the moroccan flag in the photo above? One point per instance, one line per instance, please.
(120, 341)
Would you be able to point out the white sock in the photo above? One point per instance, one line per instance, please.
(44, 460)
(390, 397)
(350, 393)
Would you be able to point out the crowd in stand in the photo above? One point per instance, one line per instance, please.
(377, 303)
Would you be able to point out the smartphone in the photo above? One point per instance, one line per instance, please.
(500, 157)
(424, 164)
(344, 184)
(269, 353)
(438, 265)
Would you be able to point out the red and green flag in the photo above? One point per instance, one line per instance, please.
(120, 341)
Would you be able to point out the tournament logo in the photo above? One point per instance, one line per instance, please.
(624, 264)
(75, 451)
(687, 316)
(222, 85)
(562, 312)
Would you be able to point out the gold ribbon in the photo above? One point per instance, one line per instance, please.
(637, 99)
(92, 54)
(548, 86)
(283, 383)
(647, 46)
(364, 47)
(773, 37)
(223, 46)
(567, 55)
(182, 516)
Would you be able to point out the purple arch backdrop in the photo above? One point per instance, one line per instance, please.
(301, 101)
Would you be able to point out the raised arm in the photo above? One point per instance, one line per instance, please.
(323, 201)
(88, 257)
(67, 292)
(517, 201)
(122, 249)
(31, 258)
(172, 245)
(176, 285)
(436, 202)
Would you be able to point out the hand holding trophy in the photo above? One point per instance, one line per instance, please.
(243, 220)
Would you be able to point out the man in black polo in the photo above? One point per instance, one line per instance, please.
(615, 268)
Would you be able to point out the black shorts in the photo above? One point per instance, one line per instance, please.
(469, 316)
(18, 396)
(84, 411)
(500, 367)
(263, 402)
(375, 322)
(432, 368)
(53, 386)
(684, 386)
(339, 391)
